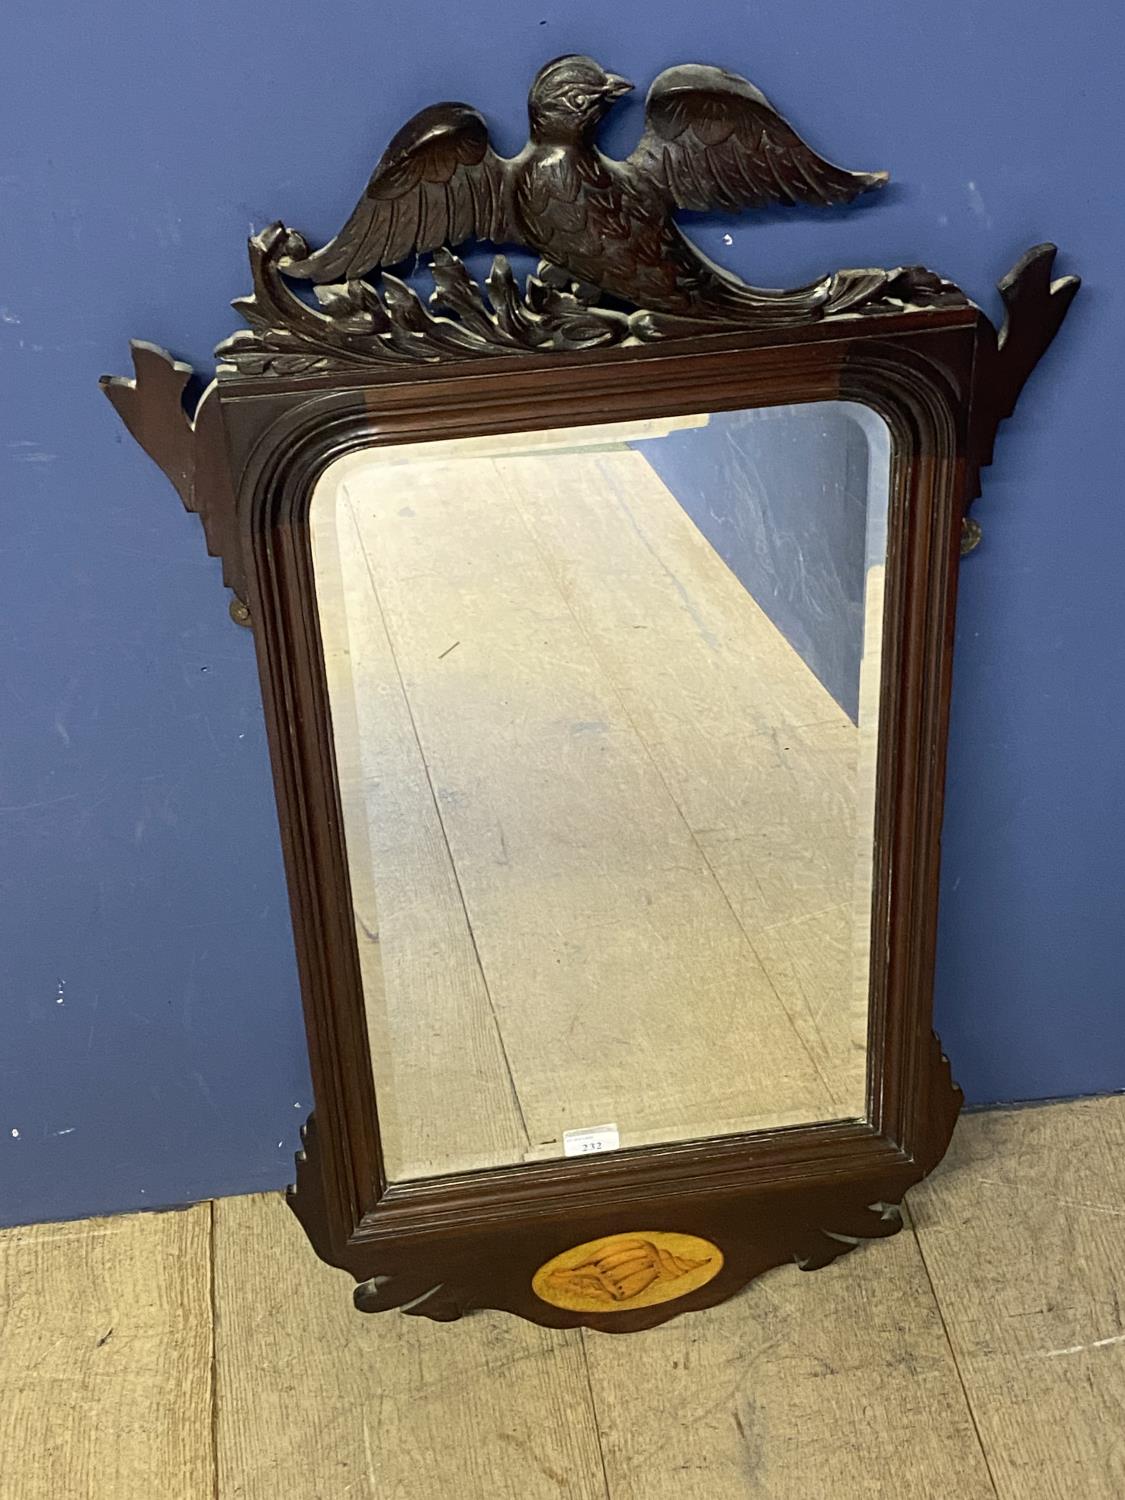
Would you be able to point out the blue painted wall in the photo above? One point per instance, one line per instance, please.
(150, 1043)
(782, 494)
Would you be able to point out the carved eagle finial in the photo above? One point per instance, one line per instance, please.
(711, 141)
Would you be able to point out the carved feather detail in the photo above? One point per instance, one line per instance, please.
(714, 141)
(711, 141)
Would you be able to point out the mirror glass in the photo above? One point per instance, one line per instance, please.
(605, 708)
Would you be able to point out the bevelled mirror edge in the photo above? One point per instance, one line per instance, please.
(626, 1241)
(580, 629)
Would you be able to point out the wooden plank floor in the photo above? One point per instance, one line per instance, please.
(106, 1359)
(569, 743)
(980, 1354)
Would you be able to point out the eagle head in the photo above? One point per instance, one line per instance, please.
(570, 96)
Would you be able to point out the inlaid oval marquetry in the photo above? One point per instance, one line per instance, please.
(624, 1271)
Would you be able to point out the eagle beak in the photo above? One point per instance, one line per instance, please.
(614, 86)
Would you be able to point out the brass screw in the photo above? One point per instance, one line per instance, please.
(970, 535)
(239, 612)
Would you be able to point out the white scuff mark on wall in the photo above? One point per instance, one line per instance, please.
(15, 1134)
(976, 203)
(203, 1088)
(169, 230)
(60, 993)
(7, 315)
(728, 239)
(70, 1129)
(30, 454)
(63, 711)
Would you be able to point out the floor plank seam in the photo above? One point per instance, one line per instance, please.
(956, 1362)
(517, 1101)
(584, 1334)
(213, 1267)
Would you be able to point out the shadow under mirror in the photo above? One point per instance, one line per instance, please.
(605, 706)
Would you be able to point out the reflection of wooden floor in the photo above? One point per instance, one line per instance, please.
(979, 1354)
(609, 816)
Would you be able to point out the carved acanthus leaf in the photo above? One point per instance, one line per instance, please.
(356, 325)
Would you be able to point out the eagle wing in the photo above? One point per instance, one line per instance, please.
(714, 141)
(439, 182)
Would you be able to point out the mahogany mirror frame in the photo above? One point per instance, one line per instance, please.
(929, 362)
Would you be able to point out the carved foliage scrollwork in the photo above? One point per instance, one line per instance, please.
(356, 325)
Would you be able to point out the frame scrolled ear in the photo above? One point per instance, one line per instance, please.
(189, 447)
(1034, 308)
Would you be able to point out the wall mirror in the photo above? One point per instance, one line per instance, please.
(607, 790)
(604, 620)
